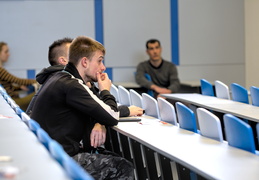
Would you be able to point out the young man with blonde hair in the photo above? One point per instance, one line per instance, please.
(68, 110)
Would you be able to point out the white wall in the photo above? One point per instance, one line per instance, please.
(128, 24)
(29, 27)
(212, 40)
(211, 37)
(211, 34)
(252, 42)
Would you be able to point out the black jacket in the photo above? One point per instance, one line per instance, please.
(46, 73)
(67, 109)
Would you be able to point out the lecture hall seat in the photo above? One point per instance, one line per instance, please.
(239, 93)
(186, 117)
(136, 98)
(222, 90)
(115, 92)
(150, 105)
(209, 124)
(254, 93)
(167, 111)
(124, 96)
(206, 88)
(239, 134)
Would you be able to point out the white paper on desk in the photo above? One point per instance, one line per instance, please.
(155, 122)
(8, 172)
(149, 121)
(5, 158)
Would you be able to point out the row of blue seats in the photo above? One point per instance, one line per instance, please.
(238, 133)
(182, 116)
(72, 168)
(244, 138)
(238, 92)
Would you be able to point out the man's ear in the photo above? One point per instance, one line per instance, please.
(62, 60)
(84, 62)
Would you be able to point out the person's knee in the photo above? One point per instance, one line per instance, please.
(126, 169)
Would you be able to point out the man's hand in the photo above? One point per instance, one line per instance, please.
(160, 90)
(98, 135)
(24, 88)
(135, 111)
(104, 82)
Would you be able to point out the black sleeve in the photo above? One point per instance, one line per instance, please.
(103, 110)
(109, 99)
(124, 111)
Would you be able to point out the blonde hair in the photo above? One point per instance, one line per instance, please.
(84, 46)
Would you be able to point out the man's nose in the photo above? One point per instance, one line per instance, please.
(103, 68)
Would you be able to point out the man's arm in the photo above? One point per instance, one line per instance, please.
(140, 76)
(160, 90)
(103, 110)
(126, 111)
(174, 80)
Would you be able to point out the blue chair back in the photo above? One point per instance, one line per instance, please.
(254, 92)
(18, 111)
(206, 88)
(43, 137)
(186, 117)
(257, 131)
(150, 92)
(5, 95)
(239, 93)
(75, 171)
(57, 152)
(238, 133)
(2, 89)
(33, 125)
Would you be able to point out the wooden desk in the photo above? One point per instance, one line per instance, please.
(241, 110)
(207, 157)
(27, 153)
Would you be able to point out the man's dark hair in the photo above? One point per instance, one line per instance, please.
(56, 50)
(151, 41)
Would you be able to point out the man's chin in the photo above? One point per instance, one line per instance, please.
(94, 80)
(156, 59)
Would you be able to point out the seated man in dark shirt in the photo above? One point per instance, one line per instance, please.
(164, 76)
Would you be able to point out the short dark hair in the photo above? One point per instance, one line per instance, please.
(151, 41)
(56, 50)
(83, 46)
